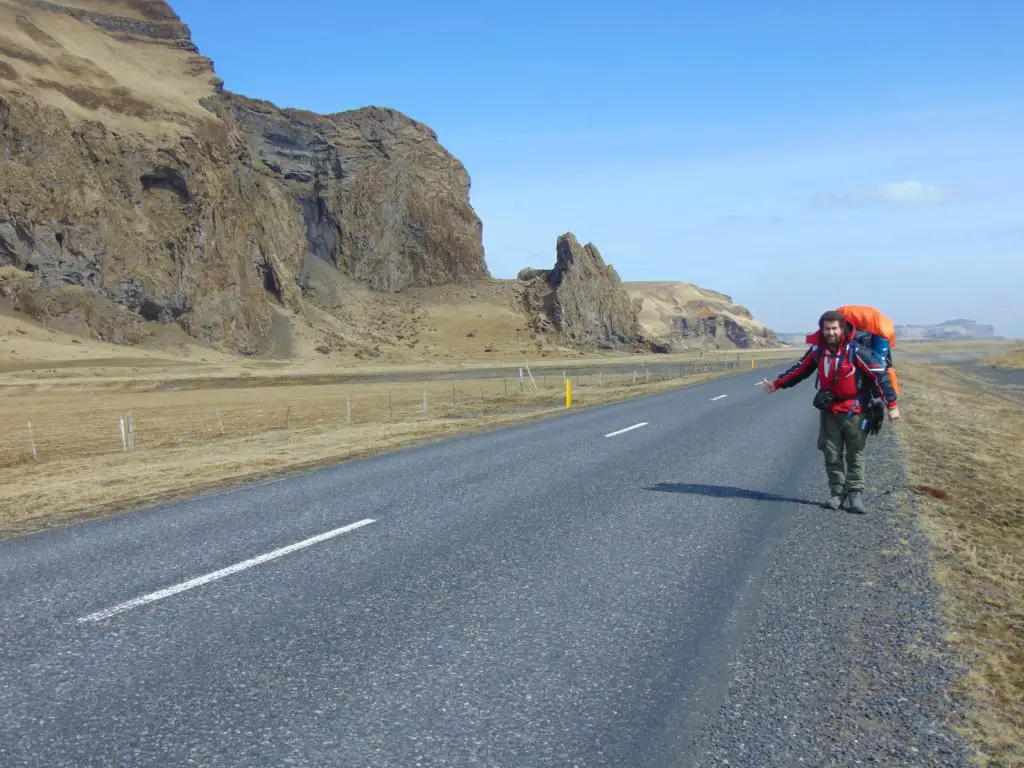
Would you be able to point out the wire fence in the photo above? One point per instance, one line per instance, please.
(67, 422)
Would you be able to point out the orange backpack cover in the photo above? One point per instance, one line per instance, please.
(871, 320)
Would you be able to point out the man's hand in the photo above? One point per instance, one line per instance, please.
(768, 386)
(894, 413)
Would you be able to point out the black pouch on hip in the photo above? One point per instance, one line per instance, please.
(823, 400)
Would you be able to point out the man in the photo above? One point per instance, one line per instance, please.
(848, 375)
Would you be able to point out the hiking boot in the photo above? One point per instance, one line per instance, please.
(835, 502)
(857, 503)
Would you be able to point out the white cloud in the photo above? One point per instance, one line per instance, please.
(915, 193)
(896, 193)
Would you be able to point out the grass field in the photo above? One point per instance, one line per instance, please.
(966, 462)
(1013, 359)
(63, 444)
(201, 420)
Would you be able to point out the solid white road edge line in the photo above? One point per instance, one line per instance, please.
(627, 429)
(718, 398)
(153, 596)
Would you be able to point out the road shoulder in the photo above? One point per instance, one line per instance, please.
(966, 468)
(846, 660)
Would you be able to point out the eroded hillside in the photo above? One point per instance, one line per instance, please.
(687, 316)
(141, 203)
(131, 175)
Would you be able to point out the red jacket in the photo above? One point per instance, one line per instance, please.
(851, 373)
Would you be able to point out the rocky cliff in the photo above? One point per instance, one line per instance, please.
(380, 198)
(581, 298)
(685, 316)
(131, 179)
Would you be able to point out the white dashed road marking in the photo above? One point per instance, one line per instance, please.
(718, 398)
(153, 596)
(627, 429)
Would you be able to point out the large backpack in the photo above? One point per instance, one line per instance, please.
(875, 331)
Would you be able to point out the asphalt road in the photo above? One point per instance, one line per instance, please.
(542, 595)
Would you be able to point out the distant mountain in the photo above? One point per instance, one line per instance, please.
(791, 338)
(951, 329)
(959, 328)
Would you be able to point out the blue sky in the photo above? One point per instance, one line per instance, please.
(795, 155)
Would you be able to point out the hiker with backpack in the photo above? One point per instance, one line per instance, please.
(852, 384)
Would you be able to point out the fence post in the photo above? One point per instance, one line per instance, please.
(348, 410)
(220, 421)
(131, 432)
(124, 437)
(288, 416)
(533, 381)
(32, 441)
(424, 400)
(453, 392)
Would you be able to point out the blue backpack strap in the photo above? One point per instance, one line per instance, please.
(852, 352)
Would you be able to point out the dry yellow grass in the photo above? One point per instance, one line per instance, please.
(197, 439)
(1013, 359)
(966, 460)
(202, 419)
(31, 352)
(424, 329)
(93, 75)
(970, 348)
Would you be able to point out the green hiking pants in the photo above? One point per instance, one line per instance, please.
(840, 437)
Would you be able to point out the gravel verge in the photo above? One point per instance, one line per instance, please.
(845, 662)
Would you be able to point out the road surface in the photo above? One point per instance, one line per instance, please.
(647, 583)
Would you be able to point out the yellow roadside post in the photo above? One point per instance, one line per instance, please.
(568, 392)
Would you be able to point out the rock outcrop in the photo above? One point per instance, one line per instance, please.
(720, 331)
(178, 231)
(129, 173)
(685, 316)
(581, 299)
(380, 198)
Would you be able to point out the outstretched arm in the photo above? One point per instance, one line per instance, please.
(799, 371)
